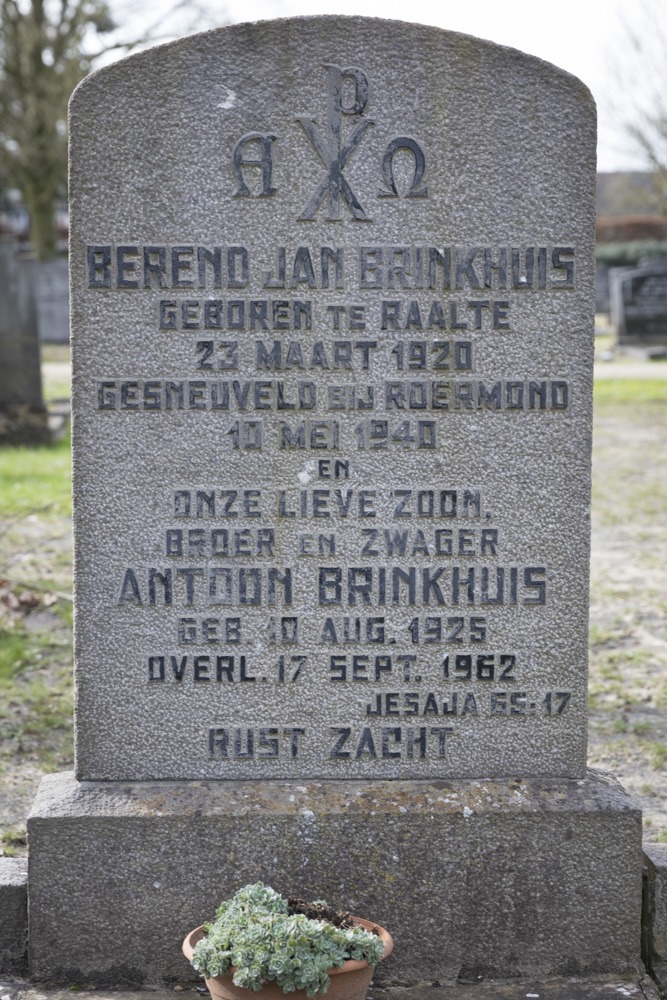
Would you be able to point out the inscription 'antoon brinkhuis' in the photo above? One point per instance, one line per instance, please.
(255, 149)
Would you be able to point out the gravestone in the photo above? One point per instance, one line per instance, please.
(602, 304)
(639, 305)
(332, 304)
(50, 283)
(23, 417)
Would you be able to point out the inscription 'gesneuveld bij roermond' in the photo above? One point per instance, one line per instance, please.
(332, 362)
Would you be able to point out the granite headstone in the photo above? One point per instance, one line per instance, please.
(639, 304)
(332, 397)
(23, 417)
(49, 280)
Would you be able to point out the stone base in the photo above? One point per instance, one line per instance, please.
(500, 879)
(636, 987)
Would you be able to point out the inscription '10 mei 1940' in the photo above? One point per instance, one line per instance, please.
(330, 489)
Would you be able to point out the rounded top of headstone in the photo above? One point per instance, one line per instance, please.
(284, 37)
(473, 118)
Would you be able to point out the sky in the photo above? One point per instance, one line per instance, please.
(589, 38)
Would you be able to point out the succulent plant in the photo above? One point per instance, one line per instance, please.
(255, 933)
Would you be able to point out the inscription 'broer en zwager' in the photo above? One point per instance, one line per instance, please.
(331, 482)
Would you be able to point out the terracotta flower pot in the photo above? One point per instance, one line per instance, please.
(349, 982)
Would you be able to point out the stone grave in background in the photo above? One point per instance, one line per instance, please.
(638, 298)
(23, 417)
(332, 305)
(50, 286)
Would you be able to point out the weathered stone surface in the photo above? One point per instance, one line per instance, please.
(13, 914)
(491, 878)
(570, 989)
(424, 204)
(655, 911)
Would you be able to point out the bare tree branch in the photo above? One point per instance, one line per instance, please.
(640, 92)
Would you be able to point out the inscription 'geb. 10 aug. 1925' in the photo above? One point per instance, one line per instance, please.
(331, 485)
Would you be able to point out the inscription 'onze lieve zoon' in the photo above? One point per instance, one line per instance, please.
(332, 378)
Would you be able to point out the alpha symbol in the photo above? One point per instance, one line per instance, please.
(265, 161)
(330, 148)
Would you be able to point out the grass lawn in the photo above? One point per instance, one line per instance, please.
(35, 480)
(35, 649)
(628, 610)
(628, 392)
